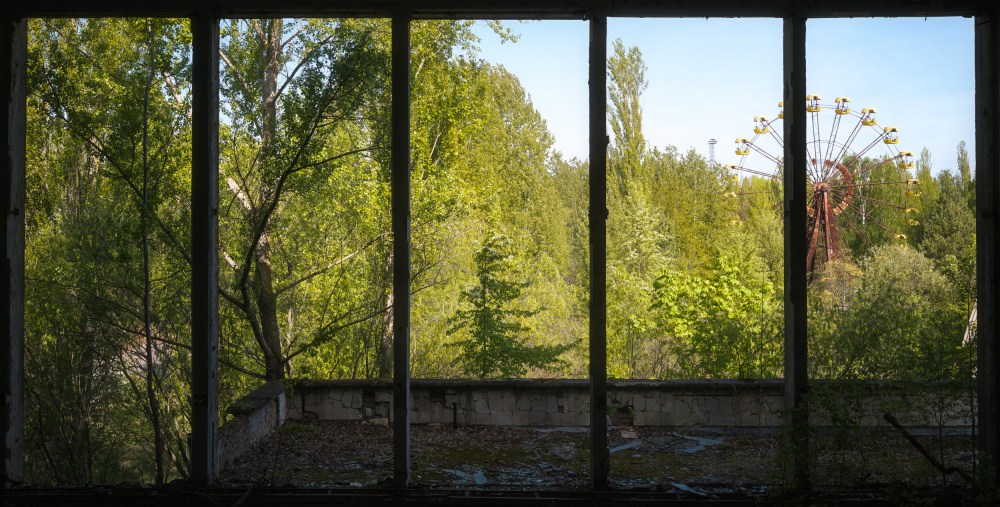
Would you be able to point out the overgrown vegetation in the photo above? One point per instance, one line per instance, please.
(500, 240)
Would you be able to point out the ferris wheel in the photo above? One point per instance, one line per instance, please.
(858, 180)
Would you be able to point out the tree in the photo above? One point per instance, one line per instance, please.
(496, 346)
(305, 102)
(926, 197)
(895, 321)
(627, 73)
(949, 227)
(968, 182)
(113, 285)
(725, 326)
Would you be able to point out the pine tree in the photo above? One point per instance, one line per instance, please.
(496, 346)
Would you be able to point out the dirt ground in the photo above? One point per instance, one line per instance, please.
(344, 454)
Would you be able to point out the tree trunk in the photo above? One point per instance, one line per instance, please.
(266, 301)
(385, 346)
(154, 406)
(268, 309)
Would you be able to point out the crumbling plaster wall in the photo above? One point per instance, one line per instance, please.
(704, 403)
(255, 416)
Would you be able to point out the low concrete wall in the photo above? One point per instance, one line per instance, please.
(256, 416)
(699, 403)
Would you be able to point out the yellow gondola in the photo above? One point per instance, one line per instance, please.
(907, 160)
(868, 116)
(762, 128)
(910, 193)
(913, 182)
(842, 105)
(899, 236)
(914, 222)
(912, 210)
(812, 104)
(891, 135)
(744, 146)
(781, 113)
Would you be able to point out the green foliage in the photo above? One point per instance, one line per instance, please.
(727, 326)
(496, 345)
(888, 318)
(949, 226)
(694, 271)
(627, 81)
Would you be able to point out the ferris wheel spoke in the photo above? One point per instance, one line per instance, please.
(868, 184)
(810, 166)
(858, 230)
(879, 201)
(774, 134)
(837, 174)
(850, 139)
(814, 110)
(760, 173)
(871, 217)
(830, 145)
(770, 157)
(874, 166)
(860, 155)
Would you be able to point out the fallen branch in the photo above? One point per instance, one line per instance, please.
(930, 457)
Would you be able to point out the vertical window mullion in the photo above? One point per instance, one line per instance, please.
(400, 188)
(13, 61)
(987, 101)
(599, 455)
(205, 248)
(795, 241)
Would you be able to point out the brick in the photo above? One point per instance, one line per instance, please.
(520, 418)
(422, 405)
(638, 402)
(640, 418)
(536, 417)
(383, 396)
(667, 402)
(509, 401)
(438, 414)
(621, 397)
(502, 419)
(523, 402)
(539, 403)
(483, 419)
(327, 412)
(422, 417)
(482, 407)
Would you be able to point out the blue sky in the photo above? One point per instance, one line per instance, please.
(708, 78)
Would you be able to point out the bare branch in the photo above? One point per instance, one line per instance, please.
(173, 91)
(330, 265)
